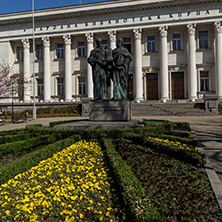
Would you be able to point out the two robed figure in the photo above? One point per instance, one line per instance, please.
(110, 64)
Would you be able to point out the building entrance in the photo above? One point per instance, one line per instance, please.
(177, 85)
(152, 86)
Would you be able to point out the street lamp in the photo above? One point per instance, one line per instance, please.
(12, 77)
(33, 26)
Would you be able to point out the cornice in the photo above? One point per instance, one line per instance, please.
(81, 11)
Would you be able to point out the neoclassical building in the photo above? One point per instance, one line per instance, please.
(176, 48)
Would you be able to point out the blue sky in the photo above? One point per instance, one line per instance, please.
(8, 6)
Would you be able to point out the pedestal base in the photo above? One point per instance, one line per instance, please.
(110, 110)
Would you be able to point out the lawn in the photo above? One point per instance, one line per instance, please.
(153, 172)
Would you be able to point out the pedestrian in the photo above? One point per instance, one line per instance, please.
(1, 123)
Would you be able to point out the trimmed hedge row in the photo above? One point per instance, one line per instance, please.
(137, 204)
(16, 138)
(11, 132)
(32, 142)
(50, 111)
(188, 156)
(32, 159)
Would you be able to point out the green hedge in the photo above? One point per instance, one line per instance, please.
(52, 124)
(12, 132)
(15, 138)
(32, 159)
(137, 205)
(188, 156)
(32, 142)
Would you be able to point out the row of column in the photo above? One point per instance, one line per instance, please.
(138, 76)
(47, 69)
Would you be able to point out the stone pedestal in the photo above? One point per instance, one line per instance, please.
(211, 104)
(110, 111)
(85, 106)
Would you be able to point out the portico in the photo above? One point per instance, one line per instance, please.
(178, 45)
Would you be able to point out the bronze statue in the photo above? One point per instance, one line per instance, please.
(98, 61)
(121, 64)
(106, 65)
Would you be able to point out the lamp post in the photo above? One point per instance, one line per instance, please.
(12, 77)
(33, 26)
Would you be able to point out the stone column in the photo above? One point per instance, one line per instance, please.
(218, 63)
(89, 84)
(112, 40)
(164, 80)
(138, 65)
(47, 71)
(192, 72)
(26, 71)
(68, 68)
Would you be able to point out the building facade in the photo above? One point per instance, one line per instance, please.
(176, 47)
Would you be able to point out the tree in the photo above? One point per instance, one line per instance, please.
(6, 70)
(9, 79)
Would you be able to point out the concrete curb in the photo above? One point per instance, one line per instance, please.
(213, 178)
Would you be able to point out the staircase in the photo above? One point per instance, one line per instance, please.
(171, 108)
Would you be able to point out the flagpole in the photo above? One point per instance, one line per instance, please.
(33, 31)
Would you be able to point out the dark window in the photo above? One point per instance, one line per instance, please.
(40, 87)
(81, 49)
(177, 41)
(127, 43)
(60, 51)
(39, 52)
(204, 81)
(60, 82)
(151, 44)
(203, 39)
(82, 86)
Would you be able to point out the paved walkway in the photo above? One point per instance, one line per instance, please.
(208, 130)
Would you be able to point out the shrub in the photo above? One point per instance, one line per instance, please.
(185, 155)
(138, 206)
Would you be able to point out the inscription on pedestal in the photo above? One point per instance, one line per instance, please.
(110, 111)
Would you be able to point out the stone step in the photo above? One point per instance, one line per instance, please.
(173, 108)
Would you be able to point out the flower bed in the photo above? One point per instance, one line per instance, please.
(180, 191)
(73, 185)
(177, 144)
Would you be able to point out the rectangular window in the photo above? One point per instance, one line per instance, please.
(82, 86)
(81, 49)
(60, 82)
(20, 83)
(59, 51)
(40, 87)
(127, 43)
(104, 44)
(39, 52)
(151, 44)
(20, 53)
(204, 81)
(176, 41)
(203, 39)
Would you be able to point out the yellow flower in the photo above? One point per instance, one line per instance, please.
(107, 213)
(7, 212)
(101, 218)
(81, 216)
